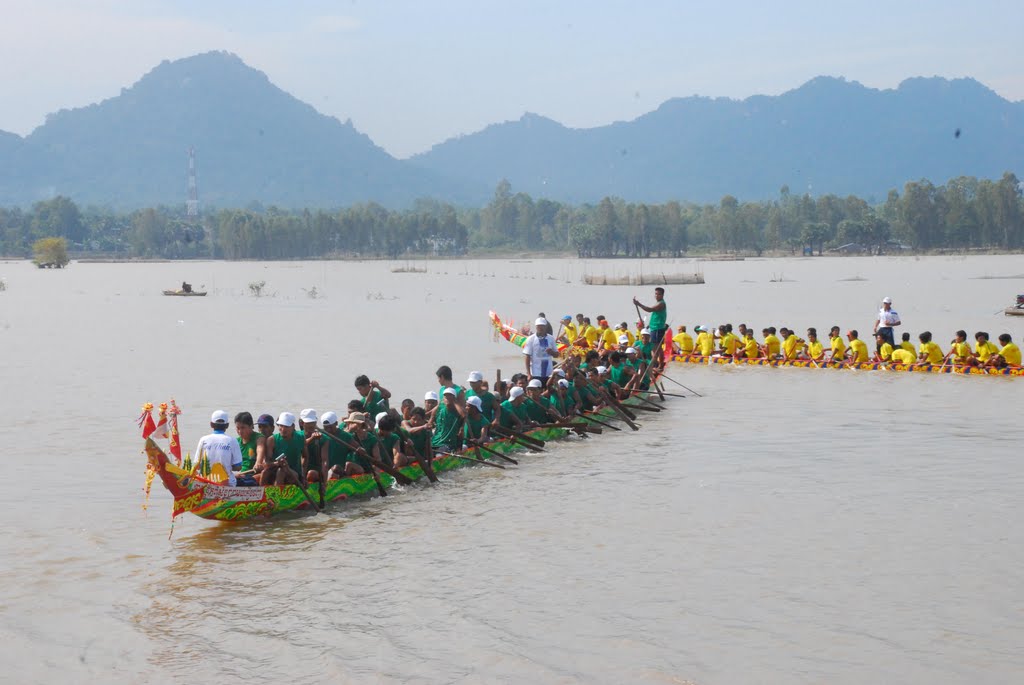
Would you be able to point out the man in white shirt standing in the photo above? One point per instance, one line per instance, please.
(540, 351)
(219, 448)
(887, 319)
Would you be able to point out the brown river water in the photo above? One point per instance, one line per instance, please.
(790, 526)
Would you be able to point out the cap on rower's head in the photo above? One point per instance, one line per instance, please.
(475, 377)
(515, 392)
(698, 328)
(566, 318)
(286, 419)
(623, 339)
(886, 300)
(475, 402)
(265, 420)
(559, 372)
(329, 418)
(219, 416)
(535, 383)
(378, 417)
(603, 323)
(602, 370)
(630, 350)
(449, 391)
(562, 383)
(308, 416)
(540, 322)
(431, 395)
(646, 331)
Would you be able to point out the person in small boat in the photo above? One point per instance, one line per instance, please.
(792, 344)
(750, 349)
(659, 315)
(253, 447)
(375, 398)
(418, 434)
(1008, 355)
(535, 404)
(218, 449)
(887, 319)
(265, 425)
(287, 454)
(367, 452)
(186, 287)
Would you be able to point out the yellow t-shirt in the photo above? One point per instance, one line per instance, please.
(961, 350)
(1011, 354)
(791, 346)
(885, 352)
(705, 343)
(773, 345)
(902, 356)
(933, 352)
(610, 339)
(860, 350)
(571, 332)
(751, 349)
(591, 334)
(729, 344)
(985, 351)
(838, 347)
(909, 347)
(684, 341)
(815, 350)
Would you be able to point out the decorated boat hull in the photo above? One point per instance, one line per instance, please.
(858, 366)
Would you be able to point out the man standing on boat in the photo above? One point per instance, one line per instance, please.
(659, 314)
(540, 351)
(887, 319)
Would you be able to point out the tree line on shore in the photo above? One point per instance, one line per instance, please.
(964, 213)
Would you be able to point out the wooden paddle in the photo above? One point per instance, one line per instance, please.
(479, 461)
(518, 438)
(358, 449)
(668, 394)
(606, 425)
(681, 385)
(480, 446)
(618, 408)
(312, 503)
(423, 461)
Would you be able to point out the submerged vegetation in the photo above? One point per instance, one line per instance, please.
(965, 213)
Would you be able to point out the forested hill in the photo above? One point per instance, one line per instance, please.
(254, 143)
(828, 136)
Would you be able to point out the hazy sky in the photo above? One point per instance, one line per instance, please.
(411, 74)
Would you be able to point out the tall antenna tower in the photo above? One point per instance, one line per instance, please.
(192, 203)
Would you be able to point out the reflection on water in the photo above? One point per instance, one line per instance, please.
(790, 526)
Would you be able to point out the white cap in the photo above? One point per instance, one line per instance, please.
(560, 372)
(219, 416)
(630, 350)
(506, 381)
(329, 417)
(515, 392)
(431, 395)
(886, 300)
(286, 419)
(623, 339)
(376, 419)
(475, 377)
(308, 416)
(602, 370)
(540, 322)
(475, 402)
(646, 331)
(449, 391)
(535, 383)
(562, 383)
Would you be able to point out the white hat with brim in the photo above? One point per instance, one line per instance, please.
(562, 383)
(356, 418)
(475, 402)
(308, 416)
(886, 300)
(540, 322)
(329, 418)
(286, 419)
(602, 369)
(630, 350)
(535, 383)
(219, 416)
(515, 392)
(646, 331)
(378, 417)
(431, 395)
(449, 391)
(475, 377)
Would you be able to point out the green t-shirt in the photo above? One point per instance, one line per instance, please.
(291, 449)
(617, 374)
(367, 443)
(644, 350)
(446, 429)
(419, 441)
(472, 428)
(374, 402)
(338, 454)
(508, 409)
(488, 403)
(248, 450)
(535, 411)
(387, 444)
(562, 405)
(657, 321)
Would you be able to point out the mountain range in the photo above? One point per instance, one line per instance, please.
(256, 143)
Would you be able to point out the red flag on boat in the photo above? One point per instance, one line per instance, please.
(175, 447)
(145, 420)
(669, 347)
(161, 424)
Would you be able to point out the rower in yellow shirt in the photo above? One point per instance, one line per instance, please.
(729, 342)
(608, 340)
(959, 349)
(771, 347)
(902, 356)
(571, 332)
(1009, 354)
(590, 333)
(791, 344)
(858, 351)
(838, 346)
(623, 329)
(883, 350)
(930, 352)
(705, 343)
(684, 341)
(750, 349)
(983, 348)
(814, 349)
(907, 345)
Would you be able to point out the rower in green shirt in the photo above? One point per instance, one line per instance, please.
(490, 407)
(475, 428)
(374, 397)
(513, 413)
(446, 423)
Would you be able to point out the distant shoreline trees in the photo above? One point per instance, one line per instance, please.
(965, 213)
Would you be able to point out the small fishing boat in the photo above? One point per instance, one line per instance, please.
(182, 293)
(1017, 309)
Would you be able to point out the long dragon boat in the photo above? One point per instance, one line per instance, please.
(856, 366)
(209, 500)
